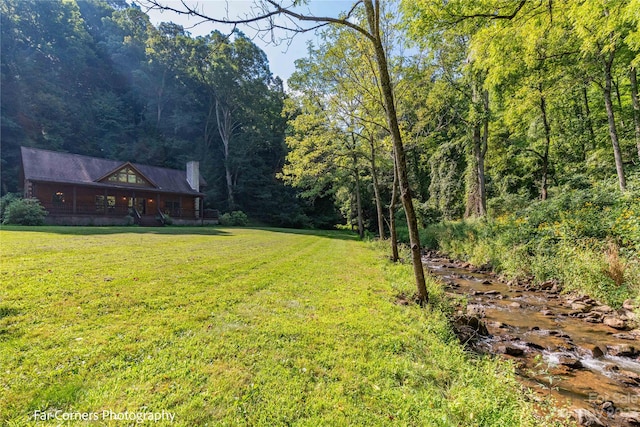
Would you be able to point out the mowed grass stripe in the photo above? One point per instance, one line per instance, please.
(230, 327)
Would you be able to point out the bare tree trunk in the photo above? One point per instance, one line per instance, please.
(612, 123)
(545, 156)
(392, 215)
(159, 94)
(373, 19)
(208, 124)
(636, 106)
(225, 128)
(376, 187)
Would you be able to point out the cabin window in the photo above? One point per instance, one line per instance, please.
(127, 176)
(100, 205)
(58, 198)
(172, 207)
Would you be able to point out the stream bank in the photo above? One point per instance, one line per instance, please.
(584, 354)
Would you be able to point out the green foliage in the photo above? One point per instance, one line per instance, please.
(588, 239)
(447, 182)
(426, 214)
(296, 328)
(24, 212)
(235, 218)
(5, 201)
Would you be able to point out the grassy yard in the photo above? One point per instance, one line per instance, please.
(229, 327)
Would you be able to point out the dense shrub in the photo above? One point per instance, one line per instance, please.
(24, 212)
(588, 239)
(5, 201)
(234, 218)
(426, 214)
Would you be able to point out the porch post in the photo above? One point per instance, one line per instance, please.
(105, 204)
(74, 200)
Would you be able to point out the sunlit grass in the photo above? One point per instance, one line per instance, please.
(230, 327)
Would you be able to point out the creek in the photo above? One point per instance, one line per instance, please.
(581, 353)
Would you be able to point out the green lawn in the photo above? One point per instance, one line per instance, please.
(229, 326)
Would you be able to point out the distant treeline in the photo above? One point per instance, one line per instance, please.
(95, 77)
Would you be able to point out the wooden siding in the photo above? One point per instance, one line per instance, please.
(83, 200)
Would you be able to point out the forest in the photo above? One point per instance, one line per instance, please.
(515, 115)
(97, 78)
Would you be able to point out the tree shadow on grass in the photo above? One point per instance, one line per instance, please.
(89, 230)
(329, 234)
(175, 230)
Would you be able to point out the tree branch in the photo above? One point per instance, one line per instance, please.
(492, 15)
(266, 14)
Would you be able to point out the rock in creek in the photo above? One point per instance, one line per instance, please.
(596, 351)
(615, 323)
(535, 346)
(624, 336)
(499, 325)
(549, 284)
(629, 378)
(631, 417)
(623, 350)
(629, 315)
(492, 293)
(475, 310)
(580, 306)
(510, 350)
(469, 329)
(570, 362)
(586, 418)
(603, 309)
(593, 317)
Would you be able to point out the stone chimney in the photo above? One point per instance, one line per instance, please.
(193, 175)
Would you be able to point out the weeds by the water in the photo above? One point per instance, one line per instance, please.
(615, 266)
(589, 241)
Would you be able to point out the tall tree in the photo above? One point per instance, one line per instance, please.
(235, 74)
(601, 29)
(370, 28)
(340, 79)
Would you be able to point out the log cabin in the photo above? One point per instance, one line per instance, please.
(83, 190)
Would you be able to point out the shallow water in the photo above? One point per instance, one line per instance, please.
(561, 353)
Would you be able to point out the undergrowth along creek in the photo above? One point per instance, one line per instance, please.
(232, 326)
(588, 240)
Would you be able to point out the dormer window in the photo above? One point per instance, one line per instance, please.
(127, 175)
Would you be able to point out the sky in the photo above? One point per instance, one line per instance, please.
(282, 57)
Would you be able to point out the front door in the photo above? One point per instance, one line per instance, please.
(140, 203)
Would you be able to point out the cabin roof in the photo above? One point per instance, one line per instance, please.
(53, 166)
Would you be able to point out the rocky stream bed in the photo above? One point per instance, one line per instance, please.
(584, 354)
